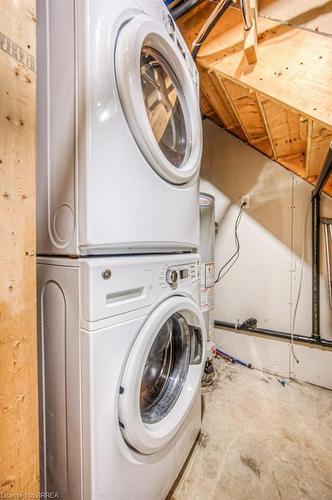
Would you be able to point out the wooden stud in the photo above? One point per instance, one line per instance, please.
(223, 86)
(250, 44)
(205, 105)
(308, 148)
(246, 107)
(229, 117)
(250, 36)
(19, 450)
(274, 157)
(210, 92)
(245, 104)
(319, 141)
(288, 130)
(211, 87)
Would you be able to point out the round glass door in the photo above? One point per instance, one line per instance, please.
(158, 92)
(162, 375)
(165, 369)
(165, 106)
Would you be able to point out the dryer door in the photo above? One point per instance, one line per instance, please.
(159, 97)
(162, 375)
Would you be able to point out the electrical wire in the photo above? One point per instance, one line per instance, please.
(300, 285)
(231, 261)
(327, 225)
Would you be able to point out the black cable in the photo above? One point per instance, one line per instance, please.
(236, 254)
(209, 24)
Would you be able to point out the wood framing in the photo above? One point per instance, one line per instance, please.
(250, 36)
(19, 465)
(282, 104)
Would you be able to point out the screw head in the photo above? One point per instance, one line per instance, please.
(106, 274)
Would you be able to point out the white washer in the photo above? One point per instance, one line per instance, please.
(119, 130)
(122, 349)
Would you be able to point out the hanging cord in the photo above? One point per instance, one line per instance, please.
(327, 226)
(236, 254)
(304, 240)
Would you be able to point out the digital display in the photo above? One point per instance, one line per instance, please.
(184, 273)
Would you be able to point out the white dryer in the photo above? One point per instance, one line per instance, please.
(122, 349)
(119, 130)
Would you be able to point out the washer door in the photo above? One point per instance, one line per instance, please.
(159, 99)
(162, 375)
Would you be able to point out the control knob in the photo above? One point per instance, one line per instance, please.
(172, 277)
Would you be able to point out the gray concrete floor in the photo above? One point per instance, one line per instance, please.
(260, 440)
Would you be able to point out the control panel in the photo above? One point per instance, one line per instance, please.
(173, 276)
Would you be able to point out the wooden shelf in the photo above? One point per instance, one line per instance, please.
(281, 105)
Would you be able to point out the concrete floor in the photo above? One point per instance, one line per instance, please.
(260, 440)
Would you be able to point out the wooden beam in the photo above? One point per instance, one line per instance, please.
(250, 44)
(206, 106)
(250, 36)
(308, 148)
(319, 141)
(229, 116)
(246, 107)
(295, 163)
(231, 103)
(288, 130)
(211, 87)
(245, 104)
(274, 157)
(19, 466)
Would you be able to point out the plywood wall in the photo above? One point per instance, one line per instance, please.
(19, 468)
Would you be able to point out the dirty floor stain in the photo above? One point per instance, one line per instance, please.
(260, 440)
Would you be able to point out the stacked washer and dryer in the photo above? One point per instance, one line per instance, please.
(121, 335)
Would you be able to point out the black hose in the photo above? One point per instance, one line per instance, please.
(212, 20)
(183, 8)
